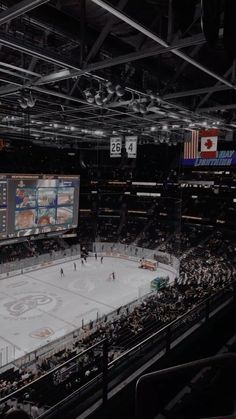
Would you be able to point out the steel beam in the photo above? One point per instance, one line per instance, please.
(104, 33)
(133, 56)
(12, 73)
(11, 42)
(218, 108)
(181, 69)
(20, 9)
(208, 95)
(160, 41)
(194, 92)
(20, 69)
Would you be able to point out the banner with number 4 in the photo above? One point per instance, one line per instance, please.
(115, 146)
(131, 146)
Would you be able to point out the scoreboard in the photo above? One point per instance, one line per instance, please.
(35, 204)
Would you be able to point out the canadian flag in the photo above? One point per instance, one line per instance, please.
(208, 147)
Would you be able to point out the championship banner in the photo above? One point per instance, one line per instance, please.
(115, 146)
(131, 146)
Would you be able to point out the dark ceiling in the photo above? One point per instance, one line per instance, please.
(54, 51)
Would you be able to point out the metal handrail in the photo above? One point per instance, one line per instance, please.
(165, 328)
(111, 364)
(52, 371)
(154, 377)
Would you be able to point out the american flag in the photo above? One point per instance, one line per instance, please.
(191, 147)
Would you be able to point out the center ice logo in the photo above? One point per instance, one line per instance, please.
(30, 303)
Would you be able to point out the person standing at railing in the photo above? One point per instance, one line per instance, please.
(34, 411)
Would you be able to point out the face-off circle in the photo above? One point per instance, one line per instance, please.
(30, 305)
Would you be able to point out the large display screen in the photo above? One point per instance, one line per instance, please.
(34, 204)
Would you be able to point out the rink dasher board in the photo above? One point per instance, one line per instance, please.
(39, 266)
(163, 266)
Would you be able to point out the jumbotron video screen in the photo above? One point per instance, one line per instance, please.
(34, 204)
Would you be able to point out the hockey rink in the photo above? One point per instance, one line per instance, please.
(40, 306)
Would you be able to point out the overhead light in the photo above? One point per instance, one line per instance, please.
(89, 95)
(26, 100)
(30, 100)
(142, 108)
(135, 106)
(55, 125)
(111, 88)
(99, 98)
(72, 128)
(165, 127)
(153, 128)
(204, 123)
(120, 91)
(98, 132)
(23, 103)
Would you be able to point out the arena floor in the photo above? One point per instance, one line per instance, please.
(40, 306)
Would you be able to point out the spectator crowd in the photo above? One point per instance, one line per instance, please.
(206, 269)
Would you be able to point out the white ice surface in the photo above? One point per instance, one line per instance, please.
(41, 300)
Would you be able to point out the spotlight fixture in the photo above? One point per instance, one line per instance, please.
(142, 108)
(99, 98)
(26, 100)
(120, 91)
(23, 103)
(30, 100)
(98, 132)
(89, 95)
(135, 106)
(111, 89)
